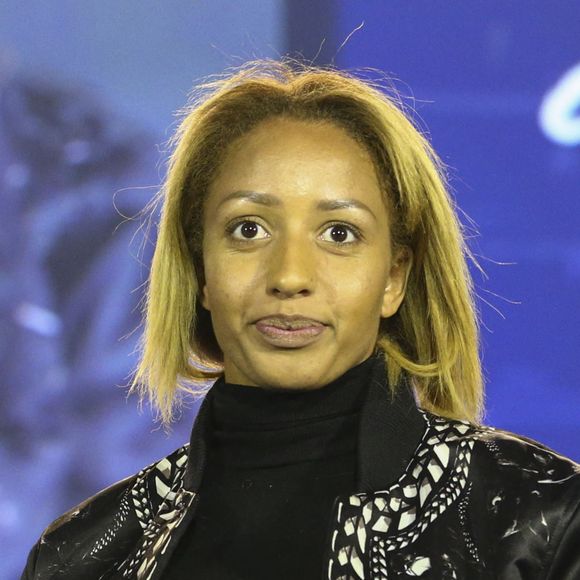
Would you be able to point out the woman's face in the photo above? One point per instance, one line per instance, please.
(295, 225)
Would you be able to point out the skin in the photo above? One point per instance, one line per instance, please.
(296, 260)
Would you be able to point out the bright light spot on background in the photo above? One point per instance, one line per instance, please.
(559, 114)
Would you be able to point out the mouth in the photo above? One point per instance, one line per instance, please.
(289, 333)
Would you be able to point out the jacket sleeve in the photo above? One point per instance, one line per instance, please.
(29, 571)
(566, 561)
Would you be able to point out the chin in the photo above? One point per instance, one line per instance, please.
(288, 372)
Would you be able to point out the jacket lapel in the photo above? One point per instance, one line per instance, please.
(198, 444)
(390, 430)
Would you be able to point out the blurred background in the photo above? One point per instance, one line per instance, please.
(87, 99)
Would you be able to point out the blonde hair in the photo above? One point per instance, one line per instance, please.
(434, 336)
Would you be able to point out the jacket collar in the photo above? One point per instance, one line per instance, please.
(390, 429)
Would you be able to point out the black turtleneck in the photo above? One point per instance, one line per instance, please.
(276, 461)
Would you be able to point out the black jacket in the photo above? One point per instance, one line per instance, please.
(435, 498)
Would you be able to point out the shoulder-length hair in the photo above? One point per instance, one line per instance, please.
(434, 336)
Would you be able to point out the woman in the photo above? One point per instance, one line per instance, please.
(310, 260)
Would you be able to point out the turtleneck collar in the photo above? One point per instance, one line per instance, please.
(390, 428)
(246, 408)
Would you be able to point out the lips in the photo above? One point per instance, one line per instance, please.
(294, 331)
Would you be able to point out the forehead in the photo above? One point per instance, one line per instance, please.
(294, 158)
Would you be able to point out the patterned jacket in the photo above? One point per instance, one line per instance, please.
(435, 498)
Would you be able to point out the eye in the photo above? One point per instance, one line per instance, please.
(248, 230)
(339, 233)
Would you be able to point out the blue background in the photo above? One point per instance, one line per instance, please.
(87, 95)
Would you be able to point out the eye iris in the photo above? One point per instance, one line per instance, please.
(342, 233)
(249, 228)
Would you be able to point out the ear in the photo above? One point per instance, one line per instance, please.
(397, 281)
(204, 298)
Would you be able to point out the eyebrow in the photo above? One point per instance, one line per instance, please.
(270, 200)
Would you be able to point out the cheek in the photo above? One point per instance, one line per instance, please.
(229, 287)
(357, 297)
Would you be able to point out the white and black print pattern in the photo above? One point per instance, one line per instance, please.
(156, 537)
(390, 520)
(168, 501)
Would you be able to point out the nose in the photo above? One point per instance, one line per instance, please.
(291, 268)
